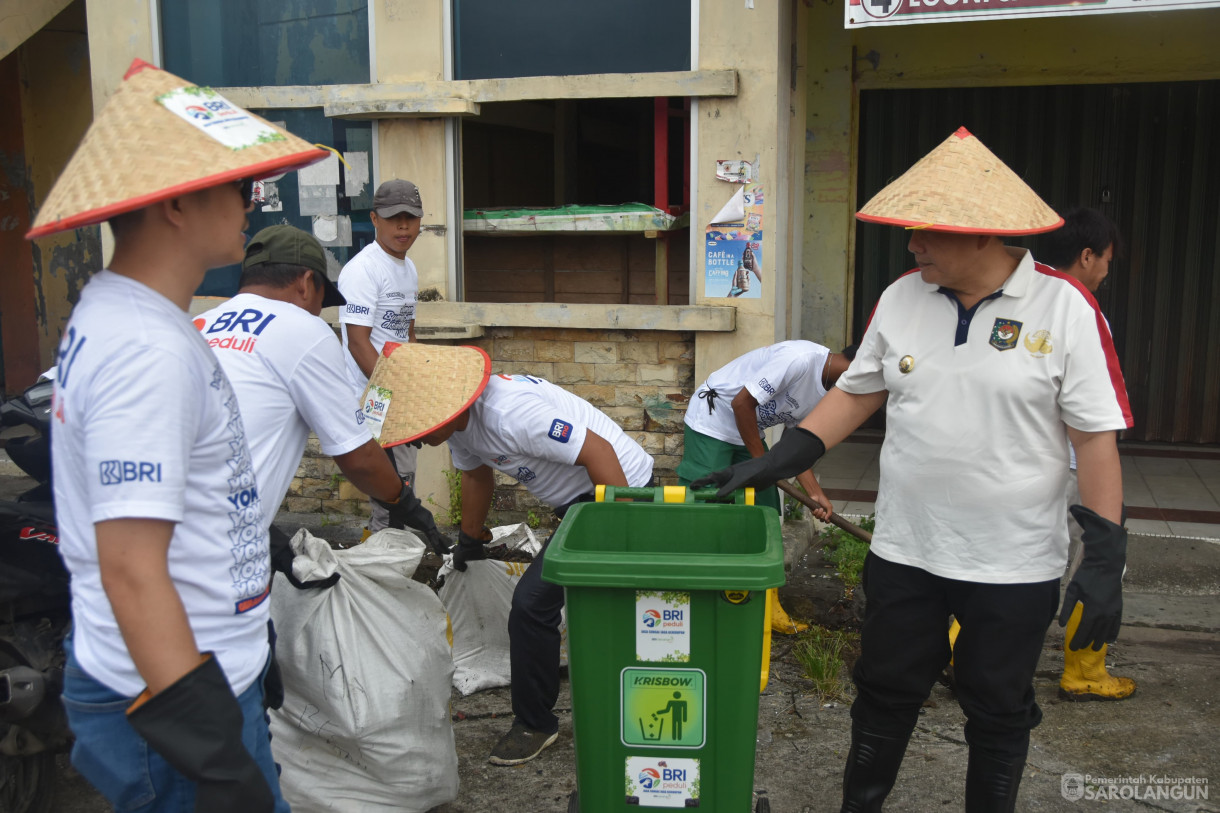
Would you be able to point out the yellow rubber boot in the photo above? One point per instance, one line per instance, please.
(954, 629)
(781, 622)
(1084, 670)
(365, 534)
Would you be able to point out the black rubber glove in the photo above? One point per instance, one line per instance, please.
(1098, 583)
(469, 549)
(409, 512)
(796, 452)
(196, 724)
(281, 560)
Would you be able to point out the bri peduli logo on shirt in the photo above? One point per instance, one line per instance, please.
(114, 472)
(250, 321)
(500, 460)
(560, 431)
(357, 309)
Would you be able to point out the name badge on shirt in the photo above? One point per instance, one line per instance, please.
(375, 404)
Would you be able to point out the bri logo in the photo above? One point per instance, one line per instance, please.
(362, 309)
(560, 431)
(114, 472)
(649, 778)
(651, 618)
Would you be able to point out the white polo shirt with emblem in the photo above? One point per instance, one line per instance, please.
(287, 368)
(785, 379)
(975, 457)
(380, 291)
(533, 431)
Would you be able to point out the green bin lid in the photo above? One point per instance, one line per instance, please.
(675, 546)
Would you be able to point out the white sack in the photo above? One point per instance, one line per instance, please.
(367, 668)
(478, 601)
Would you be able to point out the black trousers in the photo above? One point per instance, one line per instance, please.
(905, 648)
(533, 647)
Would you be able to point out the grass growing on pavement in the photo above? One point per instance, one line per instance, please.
(821, 653)
(846, 552)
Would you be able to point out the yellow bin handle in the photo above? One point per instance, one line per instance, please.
(680, 494)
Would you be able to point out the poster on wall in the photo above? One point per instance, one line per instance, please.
(904, 12)
(733, 247)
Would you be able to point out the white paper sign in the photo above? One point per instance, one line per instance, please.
(374, 406)
(662, 782)
(218, 117)
(662, 626)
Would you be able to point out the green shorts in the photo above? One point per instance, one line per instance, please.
(703, 455)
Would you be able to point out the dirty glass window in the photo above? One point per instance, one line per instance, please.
(495, 39)
(232, 43)
(237, 43)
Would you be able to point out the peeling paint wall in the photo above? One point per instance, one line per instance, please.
(56, 110)
(749, 126)
(1086, 49)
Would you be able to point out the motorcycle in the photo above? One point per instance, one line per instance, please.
(35, 615)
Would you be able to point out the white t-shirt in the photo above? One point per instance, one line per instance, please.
(147, 426)
(785, 379)
(533, 431)
(380, 291)
(975, 457)
(286, 366)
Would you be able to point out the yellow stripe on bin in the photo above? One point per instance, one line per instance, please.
(675, 493)
(766, 646)
(599, 493)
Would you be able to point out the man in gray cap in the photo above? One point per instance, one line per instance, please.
(287, 370)
(380, 285)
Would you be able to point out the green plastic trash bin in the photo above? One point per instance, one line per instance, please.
(666, 604)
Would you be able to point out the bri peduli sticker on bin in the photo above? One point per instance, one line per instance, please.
(663, 708)
(656, 782)
(662, 626)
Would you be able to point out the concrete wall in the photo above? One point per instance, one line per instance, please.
(754, 125)
(47, 93)
(1080, 49)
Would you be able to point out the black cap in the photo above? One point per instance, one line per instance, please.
(291, 246)
(397, 196)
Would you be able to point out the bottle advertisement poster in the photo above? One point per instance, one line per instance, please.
(733, 247)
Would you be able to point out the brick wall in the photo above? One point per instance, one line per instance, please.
(641, 379)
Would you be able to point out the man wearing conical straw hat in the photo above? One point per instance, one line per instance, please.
(987, 363)
(160, 520)
(555, 444)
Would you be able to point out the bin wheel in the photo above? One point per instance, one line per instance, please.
(764, 804)
(574, 802)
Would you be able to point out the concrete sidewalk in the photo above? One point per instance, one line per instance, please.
(1170, 644)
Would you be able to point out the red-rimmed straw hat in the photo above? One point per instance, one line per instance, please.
(961, 186)
(425, 386)
(157, 137)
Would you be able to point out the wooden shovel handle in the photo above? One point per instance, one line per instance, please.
(798, 495)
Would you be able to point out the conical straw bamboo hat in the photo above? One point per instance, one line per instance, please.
(426, 385)
(961, 186)
(157, 137)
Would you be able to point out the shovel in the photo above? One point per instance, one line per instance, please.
(798, 495)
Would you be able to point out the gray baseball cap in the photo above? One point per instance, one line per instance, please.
(398, 196)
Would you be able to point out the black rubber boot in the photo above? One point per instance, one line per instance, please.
(991, 783)
(872, 767)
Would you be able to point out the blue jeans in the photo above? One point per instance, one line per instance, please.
(118, 762)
